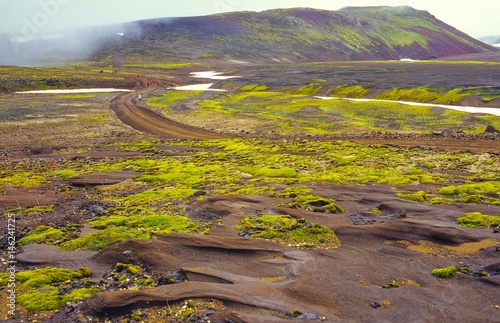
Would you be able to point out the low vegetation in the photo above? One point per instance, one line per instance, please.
(49, 288)
(294, 111)
(288, 231)
(479, 220)
(447, 272)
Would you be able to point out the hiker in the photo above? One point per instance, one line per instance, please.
(139, 97)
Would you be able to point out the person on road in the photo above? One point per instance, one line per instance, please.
(139, 97)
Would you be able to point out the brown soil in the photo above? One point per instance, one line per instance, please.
(131, 112)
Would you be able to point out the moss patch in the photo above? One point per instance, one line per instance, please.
(49, 235)
(312, 201)
(479, 220)
(49, 298)
(47, 288)
(288, 231)
(116, 229)
(472, 189)
(447, 272)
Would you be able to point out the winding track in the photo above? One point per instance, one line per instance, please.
(139, 117)
(136, 115)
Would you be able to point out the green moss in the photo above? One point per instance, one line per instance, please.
(46, 276)
(48, 235)
(116, 229)
(285, 111)
(133, 270)
(393, 284)
(255, 190)
(254, 88)
(80, 294)
(169, 100)
(39, 209)
(261, 171)
(479, 220)
(308, 90)
(294, 191)
(49, 298)
(286, 230)
(354, 91)
(187, 313)
(447, 272)
(471, 189)
(424, 197)
(104, 238)
(22, 179)
(64, 173)
(422, 94)
(42, 299)
(311, 201)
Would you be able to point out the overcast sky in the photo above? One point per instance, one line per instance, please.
(477, 18)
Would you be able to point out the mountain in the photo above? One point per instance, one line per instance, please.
(304, 34)
(280, 35)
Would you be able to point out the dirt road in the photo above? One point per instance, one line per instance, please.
(134, 113)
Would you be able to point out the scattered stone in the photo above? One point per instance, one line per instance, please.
(95, 209)
(359, 219)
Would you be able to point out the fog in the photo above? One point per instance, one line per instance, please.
(34, 32)
(63, 46)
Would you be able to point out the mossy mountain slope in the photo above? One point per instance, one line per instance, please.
(304, 34)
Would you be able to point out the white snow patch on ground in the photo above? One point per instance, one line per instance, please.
(198, 87)
(493, 111)
(212, 75)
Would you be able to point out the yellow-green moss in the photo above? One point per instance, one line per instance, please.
(48, 235)
(116, 229)
(254, 88)
(471, 189)
(447, 272)
(49, 298)
(289, 231)
(354, 91)
(45, 276)
(479, 220)
(311, 201)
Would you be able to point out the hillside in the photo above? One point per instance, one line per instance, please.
(304, 35)
(280, 35)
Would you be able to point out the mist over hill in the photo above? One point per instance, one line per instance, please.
(491, 40)
(280, 35)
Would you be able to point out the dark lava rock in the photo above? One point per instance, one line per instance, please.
(491, 129)
(359, 219)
